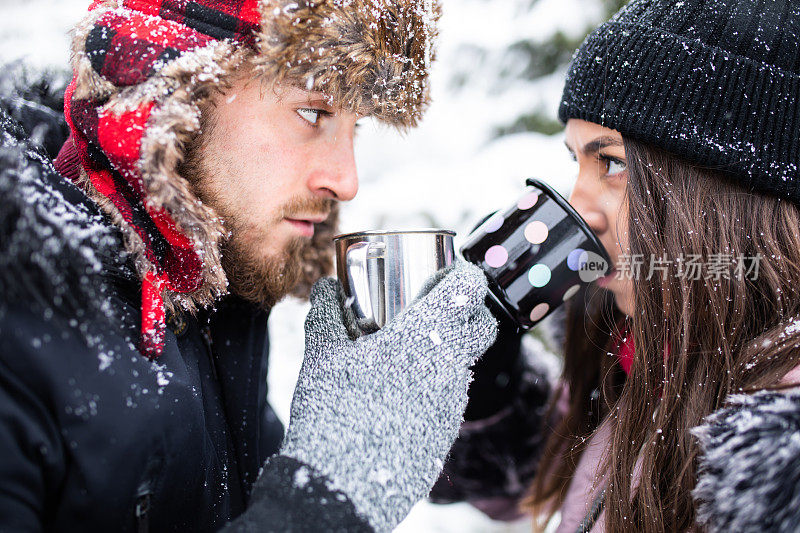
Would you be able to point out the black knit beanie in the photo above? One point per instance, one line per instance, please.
(716, 82)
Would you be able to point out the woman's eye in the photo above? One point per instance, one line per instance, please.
(615, 166)
(311, 116)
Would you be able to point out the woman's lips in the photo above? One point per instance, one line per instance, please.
(605, 280)
(304, 227)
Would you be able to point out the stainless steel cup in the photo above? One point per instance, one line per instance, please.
(382, 271)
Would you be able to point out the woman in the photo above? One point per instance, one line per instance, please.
(683, 117)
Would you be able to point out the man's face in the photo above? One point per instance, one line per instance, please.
(272, 162)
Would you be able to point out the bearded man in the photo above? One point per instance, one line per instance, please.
(210, 144)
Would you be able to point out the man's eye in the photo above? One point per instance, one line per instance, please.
(311, 116)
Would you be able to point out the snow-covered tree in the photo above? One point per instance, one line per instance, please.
(537, 58)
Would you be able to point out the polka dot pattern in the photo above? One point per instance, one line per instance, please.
(539, 275)
(536, 232)
(571, 292)
(528, 201)
(494, 223)
(496, 256)
(577, 258)
(539, 311)
(535, 254)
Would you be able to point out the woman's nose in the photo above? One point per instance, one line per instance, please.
(586, 203)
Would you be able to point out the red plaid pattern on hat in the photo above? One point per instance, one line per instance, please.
(126, 47)
(141, 67)
(231, 19)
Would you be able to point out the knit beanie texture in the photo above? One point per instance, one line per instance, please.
(716, 82)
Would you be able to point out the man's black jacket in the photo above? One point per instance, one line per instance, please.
(93, 436)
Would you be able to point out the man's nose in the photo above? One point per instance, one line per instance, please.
(585, 201)
(334, 174)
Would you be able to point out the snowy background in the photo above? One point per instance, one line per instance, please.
(447, 173)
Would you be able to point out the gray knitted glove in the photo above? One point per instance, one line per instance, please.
(378, 415)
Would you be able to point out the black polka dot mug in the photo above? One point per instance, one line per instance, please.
(536, 254)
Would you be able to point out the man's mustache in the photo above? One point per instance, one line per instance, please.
(305, 207)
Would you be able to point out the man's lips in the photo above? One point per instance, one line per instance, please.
(305, 225)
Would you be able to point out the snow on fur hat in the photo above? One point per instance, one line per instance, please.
(142, 68)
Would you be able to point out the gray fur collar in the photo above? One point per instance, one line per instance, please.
(749, 476)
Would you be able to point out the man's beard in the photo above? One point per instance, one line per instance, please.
(263, 280)
(266, 279)
(258, 278)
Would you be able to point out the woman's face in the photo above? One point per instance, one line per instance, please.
(599, 197)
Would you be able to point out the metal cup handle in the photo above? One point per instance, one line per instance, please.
(359, 273)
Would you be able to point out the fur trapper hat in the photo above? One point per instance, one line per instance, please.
(143, 70)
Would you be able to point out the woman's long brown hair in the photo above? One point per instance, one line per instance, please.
(590, 383)
(696, 340)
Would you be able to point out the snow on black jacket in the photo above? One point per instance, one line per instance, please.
(93, 436)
